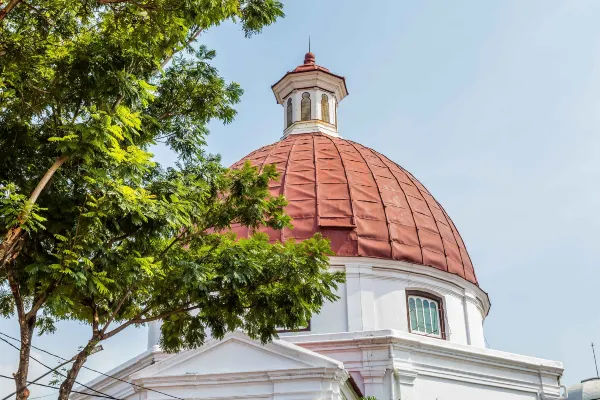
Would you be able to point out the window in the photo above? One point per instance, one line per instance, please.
(289, 112)
(305, 105)
(425, 314)
(325, 108)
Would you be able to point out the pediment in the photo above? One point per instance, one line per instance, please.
(237, 353)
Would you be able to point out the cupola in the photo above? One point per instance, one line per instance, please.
(310, 95)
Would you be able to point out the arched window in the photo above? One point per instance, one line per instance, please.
(289, 112)
(425, 314)
(325, 108)
(305, 106)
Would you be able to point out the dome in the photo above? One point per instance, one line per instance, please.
(588, 389)
(367, 205)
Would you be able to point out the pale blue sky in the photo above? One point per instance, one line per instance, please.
(494, 106)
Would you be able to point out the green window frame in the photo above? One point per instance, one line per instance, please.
(425, 314)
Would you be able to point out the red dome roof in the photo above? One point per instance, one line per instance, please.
(367, 205)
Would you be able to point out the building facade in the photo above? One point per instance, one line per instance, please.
(409, 321)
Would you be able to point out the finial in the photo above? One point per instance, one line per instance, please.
(309, 58)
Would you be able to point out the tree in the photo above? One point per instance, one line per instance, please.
(91, 228)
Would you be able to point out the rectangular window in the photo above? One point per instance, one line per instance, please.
(425, 316)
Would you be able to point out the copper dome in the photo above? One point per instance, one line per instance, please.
(367, 205)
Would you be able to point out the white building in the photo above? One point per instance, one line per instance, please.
(588, 389)
(409, 322)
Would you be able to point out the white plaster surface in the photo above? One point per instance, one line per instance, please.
(586, 390)
(364, 335)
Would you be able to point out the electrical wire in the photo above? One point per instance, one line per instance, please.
(96, 371)
(55, 388)
(41, 397)
(63, 375)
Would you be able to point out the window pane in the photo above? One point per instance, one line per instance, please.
(325, 108)
(305, 107)
(289, 112)
(420, 322)
(434, 319)
(427, 316)
(413, 313)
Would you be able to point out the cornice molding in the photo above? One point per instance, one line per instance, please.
(386, 269)
(416, 343)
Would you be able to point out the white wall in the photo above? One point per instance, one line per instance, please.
(374, 297)
(430, 369)
(334, 316)
(441, 389)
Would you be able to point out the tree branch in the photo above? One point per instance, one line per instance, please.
(9, 246)
(116, 310)
(113, 1)
(11, 4)
(46, 178)
(138, 320)
(193, 37)
(95, 321)
(40, 14)
(123, 236)
(42, 299)
(16, 292)
(178, 238)
(190, 40)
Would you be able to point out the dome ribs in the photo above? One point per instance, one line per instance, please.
(301, 188)
(404, 238)
(341, 230)
(363, 202)
(314, 148)
(451, 240)
(336, 200)
(283, 185)
(463, 258)
(434, 235)
(371, 207)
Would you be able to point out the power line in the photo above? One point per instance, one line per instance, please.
(64, 376)
(98, 372)
(41, 397)
(55, 388)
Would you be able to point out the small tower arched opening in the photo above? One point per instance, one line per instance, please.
(305, 105)
(325, 108)
(289, 113)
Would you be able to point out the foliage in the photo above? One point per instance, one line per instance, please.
(91, 227)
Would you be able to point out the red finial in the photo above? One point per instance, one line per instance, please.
(309, 59)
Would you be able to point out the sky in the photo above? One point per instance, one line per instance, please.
(493, 106)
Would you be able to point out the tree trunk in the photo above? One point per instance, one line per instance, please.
(27, 327)
(10, 246)
(67, 385)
